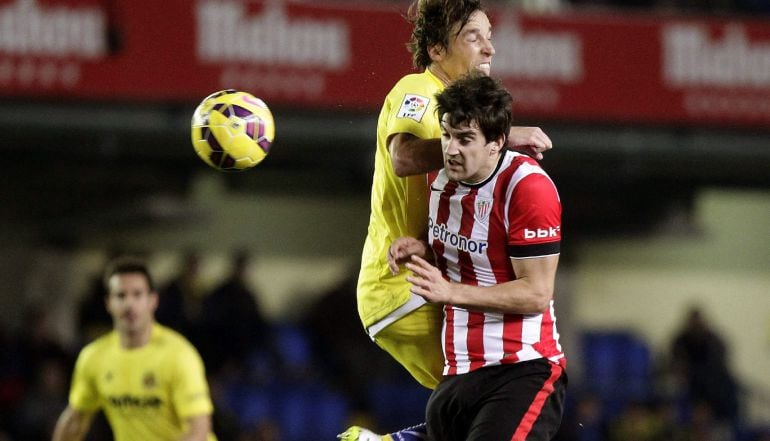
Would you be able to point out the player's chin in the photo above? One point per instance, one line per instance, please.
(455, 175)
(484, 69)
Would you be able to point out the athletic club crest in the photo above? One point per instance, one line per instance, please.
(483, 207)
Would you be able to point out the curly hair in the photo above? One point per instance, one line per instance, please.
(479, 98)
(432, 22)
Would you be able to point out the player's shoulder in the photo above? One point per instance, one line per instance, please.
(417, 83)
(100, 346)
(165, 336)
(523, 169)
(520, 159)
(174, 348)
(521, 163)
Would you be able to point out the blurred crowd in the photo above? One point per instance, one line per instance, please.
(310, 378)
(688, 394)
(300, 380)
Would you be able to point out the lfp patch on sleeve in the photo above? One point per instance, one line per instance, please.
(414, 107)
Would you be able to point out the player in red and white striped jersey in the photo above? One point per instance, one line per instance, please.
(494, 234)
(449, 39)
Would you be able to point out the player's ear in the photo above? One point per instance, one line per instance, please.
(436, 52)
(495, 146)
(154, 299)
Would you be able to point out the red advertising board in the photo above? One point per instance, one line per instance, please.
(346, 55)
(641, 69)
(288, 53)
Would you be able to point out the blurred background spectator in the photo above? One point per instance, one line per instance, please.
(700, 360)
(180, 300)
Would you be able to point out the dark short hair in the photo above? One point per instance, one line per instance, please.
(126, 265)
(432, 21)
(477, 97)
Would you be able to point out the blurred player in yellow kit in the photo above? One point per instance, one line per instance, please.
(450, 38)
(149, 380)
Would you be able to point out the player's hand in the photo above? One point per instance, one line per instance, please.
(531, 141)
(427, 281)
(402, 249)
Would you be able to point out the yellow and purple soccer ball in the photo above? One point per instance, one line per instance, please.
(232, 130)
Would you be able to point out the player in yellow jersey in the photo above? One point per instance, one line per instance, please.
(148, 379)
(450, 38)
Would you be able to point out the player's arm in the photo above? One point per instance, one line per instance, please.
(402, 249)
(411, 155)
(531, 141)
(72, 425)
(190, 396)
(530, 293)
(199, 427)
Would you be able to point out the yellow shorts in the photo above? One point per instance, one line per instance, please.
(415, 341)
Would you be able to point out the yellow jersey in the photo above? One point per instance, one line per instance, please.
(146, 393)
(399, 206)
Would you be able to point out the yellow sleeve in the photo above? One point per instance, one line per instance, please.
(83, 393)
(412, 107)
(190, 391)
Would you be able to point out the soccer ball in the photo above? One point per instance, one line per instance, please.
(232, 130)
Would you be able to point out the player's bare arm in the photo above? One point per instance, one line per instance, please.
(199, 428)
(402, 249)
(72, 425)
(411, 155)
(531, 141)
(530, 293)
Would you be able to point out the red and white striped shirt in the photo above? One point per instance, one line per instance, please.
(474, 231)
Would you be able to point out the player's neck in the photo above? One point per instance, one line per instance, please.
(135, 339)
(439, 73)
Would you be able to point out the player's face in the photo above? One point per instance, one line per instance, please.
(468, 156)
(470, 48)
(131, 303)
